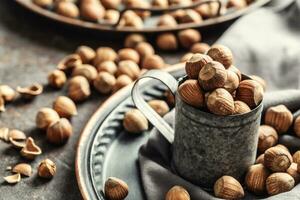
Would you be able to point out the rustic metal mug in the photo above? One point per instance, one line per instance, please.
(204, 146)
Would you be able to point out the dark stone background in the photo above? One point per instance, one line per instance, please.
(30, 47)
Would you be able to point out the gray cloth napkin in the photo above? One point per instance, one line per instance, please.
(265, 43)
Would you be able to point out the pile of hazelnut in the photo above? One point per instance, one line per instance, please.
(107, 11)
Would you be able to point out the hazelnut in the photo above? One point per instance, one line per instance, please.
(292, 170)
(7, 93)
(189, 37)
(250, 92)
(104, 54)
(280, 117)
(260, 80)
(2, 105)
(30, 150)
(177, 14)
(277, 159)
(228, 187)
(166, 20)
(200, 48)
(235, 70)
(45, 117)
(133, 39)
(47, 169)
(67, 9)
(153, 62)
(256, 178)
(91, 10)
(79, 88)
(240, 107)
(85, 70)
(87, 54)
(111, 16)
(160, 3)
(221, 54)
(195, 64)
(144, 49)
(13, 179)
(167, 41)
(170, 98)
(135, 122)
(260, 159)
(238, 4)
(220, 102)
(186, 57)
(267, 137)
(128, 54)
(59, 132)
(296, 157)
(111, 4)
(190, 16)
(180, 2)
(131, 19)
(297, 126)
(65, 107)
(23, 169)
(107, 66)
(115, 189)
(208, 10)
(191, 93)
(69, 62)
(128, 68)
(212, 75)
(57, 78)
(177, 193)
(160, 106)
(43, 3)
(122, 81)
(279, 182)
(232, 81)
(104, 82)
(30, 92)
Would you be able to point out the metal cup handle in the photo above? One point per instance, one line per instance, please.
(168, 80)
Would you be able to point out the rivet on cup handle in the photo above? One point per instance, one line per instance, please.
(168, 80)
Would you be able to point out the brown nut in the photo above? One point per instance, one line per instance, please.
(279, 182)
(260, 159)
(17, 135)
(47, 169)
(111, 4)
(292, 170)
(167, 41)
(235, 70)
(297, 126)
(107, 66)
(280, 117)
(238, 4)
(170, 98)
(111, 16)
(104, 82)
(167, 20)
(250, 92)
(133, 39)
(7, 93)
(160, 3)
(30, 92)
(85, 70)
(220, 102)
(67, 9)
(115, 189)
(268, 137)
(296, 157)
(160, 106)
(200, 48)
(13, 179)
(189, 37)
(232, 81)
(31, 150)
(57, 78)
(4, 134)
(190, 16)
(221, 54)
(139, 4)
(87, 54)
(79, 88)
(45, 117)
(91, 10)
(153, 62)
(180, 2)
(135, 122)
(121, 81)
(43, 3)
(208, 10)
(144, 49)
(69, 62)
(128, 68)
(277, 159)
(256, 178)
(65, 107)
(186, 57)
(131, 19)
(104, 54)
(212, 75)
(260, 80)
(59, 132)
(228, 187)
(23, 169)
(191, 93)
(240, 107)
(128, 54)
(177, 193)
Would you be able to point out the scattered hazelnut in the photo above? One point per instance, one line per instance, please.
(167, 41)
(260, 80)
(23, 169)
(267, 137)
(186, 57)
(235, 70)
(128, 54)
(220, 102)
(45, 117)
(212, 75)
(208, 10)
(296, 157)
(65, 107)
(190, 16)
(135, 122)
(279, 182)
(232, 81)
(104, 54)
(228, 187)
(191, 93)
(144, 49)
(107, 66)
(69, 62)
(47, 169)
(30, 92)
(133, 39)
(260, 159)
(200, 48)
(13, 179)
(7, 93)
(292, 170)
(115, 189)
(122, 81)
(189, 37)
(279, 117)
(59, 132)
(104, 82)
(85, 70)
(153, 62)
(177, 193)
(111, 4)
(128, 68)
(79, 88)
(256, 178)
(67, 9)
(111, 16)
(30, 150)
(91, 10)
(43, 3)
(160, 106)
(297, 126)
(240, 107)
(250, 92)
(87, 54)
(277, 159)
(166, 20)
(195, 64)
(221, 54)
(57, 78)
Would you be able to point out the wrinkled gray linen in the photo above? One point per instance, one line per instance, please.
(266, 43)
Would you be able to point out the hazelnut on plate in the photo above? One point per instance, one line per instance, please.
(115, 189)
(167, 41)
(189, 37)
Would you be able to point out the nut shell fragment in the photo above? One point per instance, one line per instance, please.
(31, 150)
(31, 91)
(13, 179)
(23, 169)
(4, 134)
